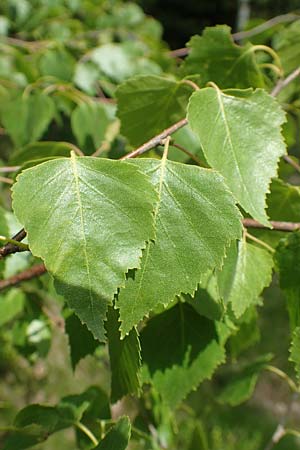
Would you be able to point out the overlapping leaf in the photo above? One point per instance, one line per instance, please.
(194, 356)
(195, 219)
(125, 358)
(149, 104)
(88, 219)
(247, 270)
(217, 58)
(240, 135)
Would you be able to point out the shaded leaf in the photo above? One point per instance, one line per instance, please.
(195, 219)
(287, 258)
(57, 63)
(217, 58)
(149, 104)
(240, 137)
(195, 353)
(241, 385)
(81, 341)
(39, 150)
(117, 437)
(125, 358)
(85, 223)
(247, 270)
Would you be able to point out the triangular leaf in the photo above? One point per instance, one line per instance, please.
(240, 137)
(217, 58)
(195, 219)
(247, 270)
(27, 118)
(180, 349)
(149, 104)
(83, 217)
(125, 358)
(117, 437)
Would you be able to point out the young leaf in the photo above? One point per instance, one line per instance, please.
(11, 304)
(90, 121)
(81, 341)
(247, 270)
(288, 262)
(27, 118)
(195, 219)
(125, 358)
(217, 58)
(194, 356)
(88, 219)
(240, 137)
(149, 104)
(117, 437)
(57, 63)
(295, 351)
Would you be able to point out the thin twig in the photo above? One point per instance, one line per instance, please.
(6, 180)
(191, 155)
(276, 225)
(292, 163)
(28, 274)
(283, 83)
(8, 169)
(190, 83)
(156, 140)
(265, 26)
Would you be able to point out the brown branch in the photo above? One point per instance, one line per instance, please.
(28, 274)
(156, 140)
(283, 83)
(188, 153)
(9, 248)
(277, 225)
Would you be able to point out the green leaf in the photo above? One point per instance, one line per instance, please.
(39, 150)
(57, 63)
(125, 358)
(241, 385)
(195, 219)
(27, 118)
(124, 60)
(89, 123)
(149, 104)
(86, 77)
(240, 137)
(247, 270)
(81, 341)
(88, 221)
(180, 349)
(295, 351)
(11, 304)
(217, 58)
(284, 201)
(287, 258)
(117, 437)
(287, 45)
(247, 332)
